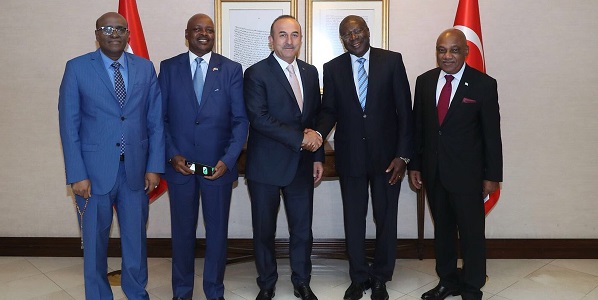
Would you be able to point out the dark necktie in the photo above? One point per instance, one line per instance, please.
(198, 80)
(362, 82)
(121, 94)
(445, 98)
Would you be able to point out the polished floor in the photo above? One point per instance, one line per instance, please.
(60, 278)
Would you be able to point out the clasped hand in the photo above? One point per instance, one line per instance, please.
(311, 140)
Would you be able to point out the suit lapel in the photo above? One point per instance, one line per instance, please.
(459, 94)
(132, 74)
(212, 76)
(183, 71)
(282, 79)
(306, 86)
(98, 65)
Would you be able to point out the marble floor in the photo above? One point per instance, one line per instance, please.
(61, 278)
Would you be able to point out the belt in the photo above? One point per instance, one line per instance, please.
(122, 157)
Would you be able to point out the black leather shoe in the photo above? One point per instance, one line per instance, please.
(440, 292)
(471, 297)
(379, 290)
(180, 298)
(219, 298)
(265, 295)
(356, 290)
(304, 292)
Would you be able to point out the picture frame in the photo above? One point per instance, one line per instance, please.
(243, 27)
(323, 18)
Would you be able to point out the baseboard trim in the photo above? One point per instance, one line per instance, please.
(241, 249)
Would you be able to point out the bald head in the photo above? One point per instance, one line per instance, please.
(451, 50)
(112, 16)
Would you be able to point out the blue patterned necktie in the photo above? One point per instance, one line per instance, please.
(198, 80)
(121, 94)
(362, 82)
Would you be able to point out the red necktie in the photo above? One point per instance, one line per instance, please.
(445, 98)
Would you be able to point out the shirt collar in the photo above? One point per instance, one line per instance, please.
(284, 64)
(457, 75)
(366, 56)
(122, 60)
(206, 57)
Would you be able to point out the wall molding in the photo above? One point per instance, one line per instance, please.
(241, 249)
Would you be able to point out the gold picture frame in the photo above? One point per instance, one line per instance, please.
(243, 27)
(323, 18)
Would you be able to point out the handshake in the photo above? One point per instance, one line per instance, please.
(312, 140)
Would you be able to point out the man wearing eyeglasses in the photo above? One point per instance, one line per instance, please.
(367, 96)
(206, 123)
(110, 116)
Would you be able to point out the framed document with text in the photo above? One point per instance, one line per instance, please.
(243, 27)
(324, 17)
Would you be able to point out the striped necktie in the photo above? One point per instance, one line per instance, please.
(362, 82)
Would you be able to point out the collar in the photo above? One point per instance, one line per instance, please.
(457, 75)
(206, 57)
(283, 64)
(366, 56)
(122, 60)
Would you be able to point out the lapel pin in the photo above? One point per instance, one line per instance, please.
(466, 83)
(214, 69)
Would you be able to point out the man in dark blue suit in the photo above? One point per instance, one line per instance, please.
(459, 158)
(282, 95)
(112, 133)
(367, 97)
(205, 123)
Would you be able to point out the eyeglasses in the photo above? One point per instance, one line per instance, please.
(355, 32)
(109, 30)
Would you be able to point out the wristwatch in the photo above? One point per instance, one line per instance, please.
(406, 160)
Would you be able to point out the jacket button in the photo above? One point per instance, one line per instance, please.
(122, 118)
(117, 144)
(365, 116)
(439, 132)
(196, 122)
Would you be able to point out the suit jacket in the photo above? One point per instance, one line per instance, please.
(467, 147)
(216, 129)
(91, 123)
(367, 141)
(277, 124)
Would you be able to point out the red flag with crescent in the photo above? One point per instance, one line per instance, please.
(467, 20)
(137, 46)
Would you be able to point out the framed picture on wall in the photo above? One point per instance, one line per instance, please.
(243, 27)
(324, 17)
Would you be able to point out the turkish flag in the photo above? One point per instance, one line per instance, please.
(467, 20)
(137, 46)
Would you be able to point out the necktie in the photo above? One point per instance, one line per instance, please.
(198, 80)
(444, 99)
(121, 94)
(362, 82)
(295, 86)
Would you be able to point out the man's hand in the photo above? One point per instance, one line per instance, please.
(311, 140)
(318, 171)
(397, 166)
(415, 177)
(489, 187)
(219, 170)
(82, 188)
(179, 165)
(151, 181)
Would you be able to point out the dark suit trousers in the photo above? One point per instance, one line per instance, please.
(298, 203)
(385, 199)
(184, 208)
(459, 215)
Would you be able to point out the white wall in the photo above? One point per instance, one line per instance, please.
(541, 53)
